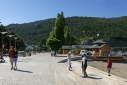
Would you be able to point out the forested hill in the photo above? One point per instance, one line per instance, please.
(82, 28)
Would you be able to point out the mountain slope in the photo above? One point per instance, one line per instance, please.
(82, 28)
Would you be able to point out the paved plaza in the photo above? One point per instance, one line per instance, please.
(42, 69)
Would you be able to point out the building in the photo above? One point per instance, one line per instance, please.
(99, 47)
(65, 49)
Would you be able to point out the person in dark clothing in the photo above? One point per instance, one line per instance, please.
(55, 53)
(84, 66)
(1, 57)
(15, 58)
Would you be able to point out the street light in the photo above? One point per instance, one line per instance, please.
(10, 38)
(2, 41)
(15, 41)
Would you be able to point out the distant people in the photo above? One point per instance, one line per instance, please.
(124, 54)
(51, 53)
(29, 54)
(1, 57)
(15, 58)
(6, 55)
(69, 60)
(84, 66)
(11, 56)
(54, 53)
(109, 66)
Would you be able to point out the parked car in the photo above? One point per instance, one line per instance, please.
(124, 54)
(84, 52)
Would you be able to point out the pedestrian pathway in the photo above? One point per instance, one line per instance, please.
(42, 69)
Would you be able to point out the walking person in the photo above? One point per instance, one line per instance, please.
(84, 66)
(2, 58)
(11, 56)
(15, 58)
(51, 53)
(109, 66)
(69, 60)
(55, 53)
(29, 53)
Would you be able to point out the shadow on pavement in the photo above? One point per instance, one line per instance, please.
(73, 59)
(24, 71)
(70, 70)
(76, 59)
(60, 56)
(3, 62)
(91, 77)
(62, 61)
(23, 61)
(28, 59)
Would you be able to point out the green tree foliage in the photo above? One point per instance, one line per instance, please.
(19, 42)
(32, 32)
(66, 35)
(41, 44)
(2, 29)
(54, 44)
(108, 28)
(58, 30)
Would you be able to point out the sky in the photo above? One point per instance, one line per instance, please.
(25, 11)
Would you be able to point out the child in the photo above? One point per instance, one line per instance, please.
(109, 66)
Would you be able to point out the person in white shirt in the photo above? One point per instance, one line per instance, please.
(69, 60)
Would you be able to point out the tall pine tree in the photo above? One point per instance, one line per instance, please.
(58, 30)
(66, 35)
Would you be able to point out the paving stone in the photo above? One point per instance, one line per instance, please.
(42, 69)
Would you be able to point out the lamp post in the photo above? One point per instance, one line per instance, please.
(2, 41)
(15, 41)
(10, 39)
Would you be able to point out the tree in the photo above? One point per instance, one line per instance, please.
(66, 35)
(2, 29)
(54, 44)
(41, 44)
(108, 28)
(58, 30)
(58, 34)
(20, 44)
